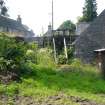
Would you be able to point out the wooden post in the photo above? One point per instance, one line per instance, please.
(54, 51)
(70, 38)
(65, 47)
(99, 61)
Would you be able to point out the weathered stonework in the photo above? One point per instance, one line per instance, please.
(91, 39)
(14, 28)
(80, 27)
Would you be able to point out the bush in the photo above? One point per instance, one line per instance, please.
(45, 58)
(70, 52)
(76, 63)
(31, 54)
(62, 59)
(12, 54)
(19, 58)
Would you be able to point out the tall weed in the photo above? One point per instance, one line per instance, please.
(45, 58)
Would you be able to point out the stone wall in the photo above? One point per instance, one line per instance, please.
(80, 27)
(91, 39)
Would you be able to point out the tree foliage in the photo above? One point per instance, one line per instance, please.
(3, 8)
(68, 25)
(89, 11)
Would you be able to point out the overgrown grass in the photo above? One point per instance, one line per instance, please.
(79, 80)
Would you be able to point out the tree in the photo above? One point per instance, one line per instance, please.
(3, 8)
(89, 11)
(68, 25)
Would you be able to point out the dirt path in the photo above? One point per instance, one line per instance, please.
(59, 99)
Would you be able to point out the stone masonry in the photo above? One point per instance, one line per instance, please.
(91, 39)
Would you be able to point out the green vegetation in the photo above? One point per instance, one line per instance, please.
(12, 54)
(42, 81)
(68, 25)
(76, 80)
(62, 58)
(89, 11)
(3, 8)
(45, 58)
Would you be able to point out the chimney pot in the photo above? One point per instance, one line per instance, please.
(19, 19)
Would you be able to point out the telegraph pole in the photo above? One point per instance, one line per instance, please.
(53, 33)
(52, 15)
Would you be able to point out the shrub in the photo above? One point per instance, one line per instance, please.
(76, 63)
(45, 58)
(62, 59)
(12, 54)
(31, 54)
(70, 52)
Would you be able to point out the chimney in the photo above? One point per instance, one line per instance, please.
(19, 19)
(49, 30)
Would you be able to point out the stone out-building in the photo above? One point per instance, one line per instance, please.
(15, 28)
(92, 38)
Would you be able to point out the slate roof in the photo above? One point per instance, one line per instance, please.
(10, 23)
(91, 39)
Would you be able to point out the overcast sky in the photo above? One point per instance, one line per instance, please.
(37, 13)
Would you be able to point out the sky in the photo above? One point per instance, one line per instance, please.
(36, 14)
